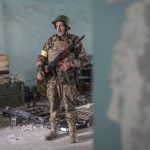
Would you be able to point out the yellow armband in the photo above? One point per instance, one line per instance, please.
(44, 53)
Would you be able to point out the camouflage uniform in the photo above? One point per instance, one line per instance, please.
(62, 85)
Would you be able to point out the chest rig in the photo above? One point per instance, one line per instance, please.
(57, 45)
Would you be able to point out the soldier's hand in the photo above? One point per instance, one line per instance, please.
(65, 65)
(40, 77)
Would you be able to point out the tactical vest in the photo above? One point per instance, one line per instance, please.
(58, 44)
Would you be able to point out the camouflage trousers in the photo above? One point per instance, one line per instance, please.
(67, 93)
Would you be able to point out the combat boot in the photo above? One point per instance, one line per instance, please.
(72, 134)
(71, 120)
(51, 135)
(73, 139)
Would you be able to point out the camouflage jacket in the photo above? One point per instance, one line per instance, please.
(54, 46)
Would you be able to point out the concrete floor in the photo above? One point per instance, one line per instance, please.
(32, 137)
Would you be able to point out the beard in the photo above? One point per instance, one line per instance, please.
(60, 33)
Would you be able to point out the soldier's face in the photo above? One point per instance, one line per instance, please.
(60, 28)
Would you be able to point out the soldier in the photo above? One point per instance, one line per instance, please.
(62, 84)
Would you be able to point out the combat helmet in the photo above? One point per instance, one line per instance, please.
(64, 19)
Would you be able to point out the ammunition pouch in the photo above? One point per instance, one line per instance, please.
(71, 76)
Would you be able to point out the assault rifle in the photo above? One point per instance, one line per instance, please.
(23, 115)
(61, 56)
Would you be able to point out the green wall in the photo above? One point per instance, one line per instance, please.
(25, 25)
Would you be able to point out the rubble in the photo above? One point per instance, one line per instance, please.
(83, 107)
